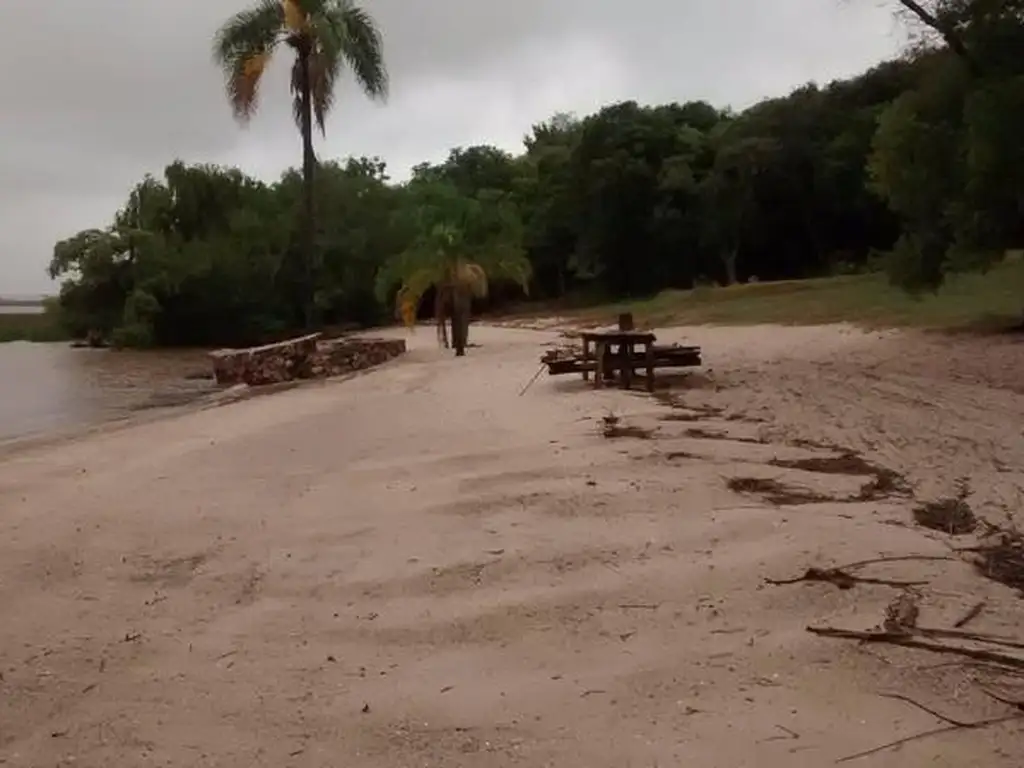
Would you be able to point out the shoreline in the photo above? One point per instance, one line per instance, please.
(216, 398)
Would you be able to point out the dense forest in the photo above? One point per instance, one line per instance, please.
(915, 167)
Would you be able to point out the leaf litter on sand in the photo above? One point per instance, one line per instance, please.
(952, 515)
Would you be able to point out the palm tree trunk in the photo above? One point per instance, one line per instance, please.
(308, 224)
(460, 311)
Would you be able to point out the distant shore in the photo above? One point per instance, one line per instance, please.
(29, 322)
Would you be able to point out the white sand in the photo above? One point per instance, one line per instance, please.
(419, 567)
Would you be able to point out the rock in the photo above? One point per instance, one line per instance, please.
(306, 357)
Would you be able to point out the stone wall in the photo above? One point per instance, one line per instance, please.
(306, 357)
(340, 356)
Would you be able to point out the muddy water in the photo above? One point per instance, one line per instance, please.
(49, 388)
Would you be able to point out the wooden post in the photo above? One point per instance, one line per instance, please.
(609, 361)
(626, 352)
(649, 355)
(626, 324)
(586, 355)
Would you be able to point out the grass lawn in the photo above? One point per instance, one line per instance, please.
(992, 300)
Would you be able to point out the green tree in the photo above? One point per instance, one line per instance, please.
(325, 36)
(946, 155)
(460, 245)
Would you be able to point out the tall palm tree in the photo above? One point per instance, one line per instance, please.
(457, 246)
(325, 36)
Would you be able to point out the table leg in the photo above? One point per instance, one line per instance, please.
(599, 351)
(626, 351)
(586, 355)
(649, 358)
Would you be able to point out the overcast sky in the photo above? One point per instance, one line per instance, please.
(95, 93)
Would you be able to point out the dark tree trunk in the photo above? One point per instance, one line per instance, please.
(729, 262)
(460, 321)
(308, 221)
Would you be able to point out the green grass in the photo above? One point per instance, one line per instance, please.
(31, 326)
(991, 300)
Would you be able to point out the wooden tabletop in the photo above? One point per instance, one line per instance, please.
(618, 336)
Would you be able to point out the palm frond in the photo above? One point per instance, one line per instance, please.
(414, 287)
(323, 66)
(472, 277)
(357, 40)
(242, 48)
(296, 18)
(336, 32)
(296, 88)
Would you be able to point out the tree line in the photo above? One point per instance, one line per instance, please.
(915, 167)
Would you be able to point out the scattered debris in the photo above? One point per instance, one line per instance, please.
(611, 428)
(971, 615)
(706, 434)
(773, 491)
(681, 455)
(1001, 557)
(675, 402)
(530, 382)
(689, 416)
(912, 641)
(885, 482)
(841, 579)
(951, 725)
(950, 515)
(902, 613)
(787, 734)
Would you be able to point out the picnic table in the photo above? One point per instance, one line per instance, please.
(616, 349)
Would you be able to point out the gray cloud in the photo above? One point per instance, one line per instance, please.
(97, 92)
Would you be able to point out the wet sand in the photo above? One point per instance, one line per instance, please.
(420, 567)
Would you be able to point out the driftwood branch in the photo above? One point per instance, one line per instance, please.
(1015, 703)
(933, 732)
(841, 578)
(893, 559)
(951, 724)
(978, 637)
(909, 641)
(928, 710)
(971, 615)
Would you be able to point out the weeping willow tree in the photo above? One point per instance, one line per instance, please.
(459, 245)
(325, 37)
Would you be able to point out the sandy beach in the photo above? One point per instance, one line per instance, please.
(421, 566)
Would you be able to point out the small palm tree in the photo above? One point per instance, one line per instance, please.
(325, 36)
(458, 245)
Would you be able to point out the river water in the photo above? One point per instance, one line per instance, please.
(50, 388)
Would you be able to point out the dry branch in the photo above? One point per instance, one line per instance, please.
(841, 579)
(933, 732)
(907, 641)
